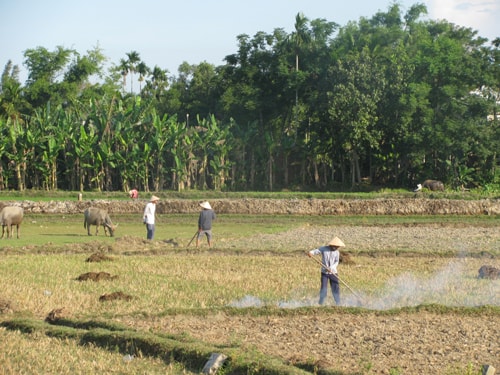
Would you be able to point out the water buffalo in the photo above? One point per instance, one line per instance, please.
(10, 216)
(433, 185)
(97, 216)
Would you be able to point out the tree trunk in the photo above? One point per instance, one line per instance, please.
(2, 181)
(270, 170)
(316, 174)
(252, 170)
(20, 184)
(285, 166)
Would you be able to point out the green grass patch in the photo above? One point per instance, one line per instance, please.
(55, 231)
(361, 193)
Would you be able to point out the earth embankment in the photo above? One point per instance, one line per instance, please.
(413, 206)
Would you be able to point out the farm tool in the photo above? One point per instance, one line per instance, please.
(329, 270)
(195, 234)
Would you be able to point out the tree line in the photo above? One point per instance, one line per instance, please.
(391, 99)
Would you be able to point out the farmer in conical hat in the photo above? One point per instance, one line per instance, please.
(207, 215)
(330, 257)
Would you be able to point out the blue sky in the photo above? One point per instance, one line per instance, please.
(167, 33)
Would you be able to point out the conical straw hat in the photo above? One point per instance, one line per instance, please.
(206, 205)
(336, 242)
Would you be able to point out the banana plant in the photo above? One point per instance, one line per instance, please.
(159, 141)
(20, 143)
(216, 144)
(180, 147)
(82, 144)
(50, 131)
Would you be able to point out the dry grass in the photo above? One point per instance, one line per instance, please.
(252, 265)
(39, 354)
(40, 283)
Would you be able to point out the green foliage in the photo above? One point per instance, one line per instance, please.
(391, 99)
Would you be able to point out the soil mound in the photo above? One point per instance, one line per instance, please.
(55, 315)
(96, 276)
(115, 296)
(6, 306)
(98, 257)
(489, 272)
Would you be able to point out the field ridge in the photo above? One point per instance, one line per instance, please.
(258, 206)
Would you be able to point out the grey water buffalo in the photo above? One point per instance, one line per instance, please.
(10, 216)
(98, 216)
(432, 185)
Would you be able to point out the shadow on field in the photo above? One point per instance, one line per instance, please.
(192, 353)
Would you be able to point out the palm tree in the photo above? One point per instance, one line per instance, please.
(124, 68)
(143, 70)
(133, 60)
(157, 82)
(300, 37)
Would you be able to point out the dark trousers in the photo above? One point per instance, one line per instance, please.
(334, 284)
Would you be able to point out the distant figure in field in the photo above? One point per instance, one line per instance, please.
(149, 217)
(432, 185)
(134, 194)
(207, 215)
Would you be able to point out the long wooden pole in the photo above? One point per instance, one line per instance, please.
(192, 239)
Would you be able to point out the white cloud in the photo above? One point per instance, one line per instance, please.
(480, 15)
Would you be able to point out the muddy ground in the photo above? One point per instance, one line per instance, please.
(422, 342)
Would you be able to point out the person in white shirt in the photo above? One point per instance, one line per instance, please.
(330, 257)
(149, 217)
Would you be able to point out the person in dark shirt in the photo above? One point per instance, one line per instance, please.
(207, 215)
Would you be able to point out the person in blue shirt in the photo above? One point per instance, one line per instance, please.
(330, 257)
(207, 215)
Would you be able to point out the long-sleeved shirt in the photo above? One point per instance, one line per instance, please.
(149, 213)
(205, 219)
(329, 257)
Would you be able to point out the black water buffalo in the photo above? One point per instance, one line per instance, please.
(10, 216)
(433, 185)
(97, 216)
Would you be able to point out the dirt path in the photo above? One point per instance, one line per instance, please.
(419, 343)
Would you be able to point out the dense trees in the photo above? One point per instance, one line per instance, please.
(391, 99)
